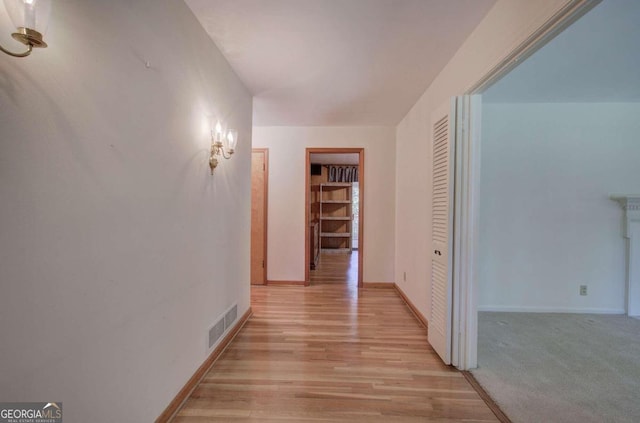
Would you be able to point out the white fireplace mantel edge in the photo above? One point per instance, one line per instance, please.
(631, 205)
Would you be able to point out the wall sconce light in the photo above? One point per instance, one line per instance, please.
(221, 145)
(30, 18)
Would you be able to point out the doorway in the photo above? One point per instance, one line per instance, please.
(463, 312)
(551, 253)
(334, 215)
(259, 203)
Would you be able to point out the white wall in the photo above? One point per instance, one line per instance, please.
(547, 224)
(287, 146)
(505, 27)
(117, 248)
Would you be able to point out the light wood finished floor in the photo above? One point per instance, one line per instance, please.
(328, 353)
(338, 268)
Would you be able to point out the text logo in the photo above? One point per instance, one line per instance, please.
(30, 412)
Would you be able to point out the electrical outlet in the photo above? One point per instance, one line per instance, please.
(583, 289)
(404, 276)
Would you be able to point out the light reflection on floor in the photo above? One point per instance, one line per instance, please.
(336, 268)
(340, 269)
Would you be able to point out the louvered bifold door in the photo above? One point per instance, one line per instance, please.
(442, 231)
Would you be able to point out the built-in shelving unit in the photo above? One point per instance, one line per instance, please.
(335, 217)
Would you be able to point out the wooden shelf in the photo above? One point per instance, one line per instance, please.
(336, 234)
(336, 185)
(335, 216)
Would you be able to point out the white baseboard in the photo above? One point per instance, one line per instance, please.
(527, 309)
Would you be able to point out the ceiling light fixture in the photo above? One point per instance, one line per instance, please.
(221, 145)
(30, 18)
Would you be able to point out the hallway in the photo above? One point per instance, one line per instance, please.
(331, 353)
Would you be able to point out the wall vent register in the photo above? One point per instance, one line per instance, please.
(222, 325)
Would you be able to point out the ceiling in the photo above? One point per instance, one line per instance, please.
(337, 62)
(335, 158)
(597, 59)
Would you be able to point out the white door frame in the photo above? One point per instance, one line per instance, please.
(465, 229)
(467, 184)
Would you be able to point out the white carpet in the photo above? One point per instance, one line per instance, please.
(561, 367)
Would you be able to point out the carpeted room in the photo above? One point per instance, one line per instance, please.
(559, 137)
(560, 367)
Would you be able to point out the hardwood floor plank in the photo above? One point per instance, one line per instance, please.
(332, 353)
(336, 268)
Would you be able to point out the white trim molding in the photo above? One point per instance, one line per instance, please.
(465, 240)
(631, 205)
(571, 12)
(527, 309)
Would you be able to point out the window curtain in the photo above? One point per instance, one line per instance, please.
(343, 173)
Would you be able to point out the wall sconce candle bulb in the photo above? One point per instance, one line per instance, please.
(30, 18)
(221, 145)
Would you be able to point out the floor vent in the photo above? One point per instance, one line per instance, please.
(222, 325)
